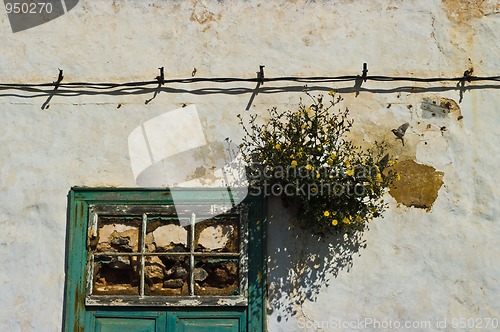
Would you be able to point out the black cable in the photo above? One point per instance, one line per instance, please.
(313, 79)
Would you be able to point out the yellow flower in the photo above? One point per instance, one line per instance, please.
(350, 172)
(277, 146)
(302, 126)
(379, 177)
(331, 159)
(293, 163)
(326, 213)
(313, 190)
(398, 177)
(335, 222)
(319, 149)
(359, 219)
(346, 220)
(331, 92)
(317, 175)
(347, 162)
(309, 167)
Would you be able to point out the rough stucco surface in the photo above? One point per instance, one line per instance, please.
(411, 265)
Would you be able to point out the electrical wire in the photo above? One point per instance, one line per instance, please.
(296, 79)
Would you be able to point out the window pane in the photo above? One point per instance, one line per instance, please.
(159, 253)
(164, 234)
(116, 275)
(117, 234)
(166, 275)
(216, 277)
(217, 235)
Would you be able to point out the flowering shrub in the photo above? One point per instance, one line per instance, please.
(305, 157)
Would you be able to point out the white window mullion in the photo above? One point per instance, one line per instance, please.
(142, 243)
(191, 256)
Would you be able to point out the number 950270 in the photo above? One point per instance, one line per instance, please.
(28, 8)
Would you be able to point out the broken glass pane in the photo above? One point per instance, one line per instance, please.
(116, 275)
(164, 234)
(167, 276)
(116, 234)
(217, 235)
(216, 277)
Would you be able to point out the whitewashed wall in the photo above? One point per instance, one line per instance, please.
(413, 265)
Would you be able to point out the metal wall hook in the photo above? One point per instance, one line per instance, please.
(161, 77)
(260, 74)
(59, 77)
(365, 71)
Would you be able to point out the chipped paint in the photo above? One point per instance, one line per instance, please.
(193, 302)
(229, 302)
(119, 302)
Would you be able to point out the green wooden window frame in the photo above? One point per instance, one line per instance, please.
(82, 308)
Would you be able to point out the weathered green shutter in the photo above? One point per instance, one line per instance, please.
(155, 316)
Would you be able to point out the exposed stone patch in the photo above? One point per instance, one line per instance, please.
(199, 274)
(118, 237)
(169, 237)
(418, 185)
(154, 269)
(215, 238)
(217, 277)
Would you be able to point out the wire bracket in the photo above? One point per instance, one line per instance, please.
(365, 71)
(468, 74)
(59, 78)
(358, 81)
(461, 84)
(161, 78)
(53, 92)
(260, 75)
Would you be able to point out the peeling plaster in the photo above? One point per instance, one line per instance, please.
(418, 185)
(462, 11)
